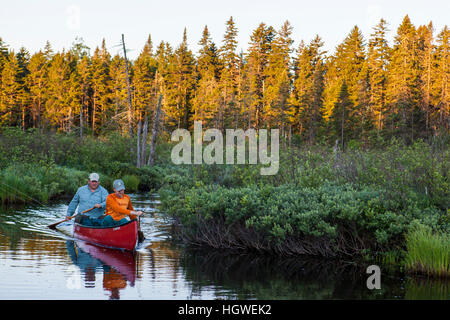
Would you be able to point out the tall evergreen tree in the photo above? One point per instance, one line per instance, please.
(207, 94)
(306, 97)
(378, 60)
(348, 65)
(3, 55)
(342, 118)
(259, 50)
(79, 49)
(426, 52)
(278, 78)
(9, 91)
(403, 81)
(441, 115)
(23, 59)
(228, 78)
(181, 76)
(144, 72)
(165, 84)
(37, 83)
(101, 85)
(58, 106)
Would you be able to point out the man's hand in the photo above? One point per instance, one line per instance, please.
(97, 205)
(138, 213)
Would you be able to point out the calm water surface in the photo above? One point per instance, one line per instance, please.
(39, 263)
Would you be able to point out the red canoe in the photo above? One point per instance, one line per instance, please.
(124, 236)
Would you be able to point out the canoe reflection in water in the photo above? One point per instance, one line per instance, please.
(118, 266)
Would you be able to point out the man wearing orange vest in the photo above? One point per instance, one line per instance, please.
(119, 209)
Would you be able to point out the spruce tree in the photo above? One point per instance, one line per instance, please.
(181, 80)
(37, 83)
(441, 115)
(342, 118)
(259, 49)
(228, 77)
(144, 72)
(101, 86)
(57, 104)
(3, 55)
(426, 52)
(9, 91)
(349, 65)
(378, 60)
(23, 59)
(403, 81)
(306, 97)
(278, 78)
(207, 94)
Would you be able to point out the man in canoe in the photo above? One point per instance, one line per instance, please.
(92, 195)
(119, 209)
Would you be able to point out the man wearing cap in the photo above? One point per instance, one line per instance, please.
(92, 195)
(119, 209)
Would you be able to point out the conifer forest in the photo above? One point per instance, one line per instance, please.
(365, 89)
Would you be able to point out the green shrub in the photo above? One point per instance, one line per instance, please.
(131, 183)
(351, 219)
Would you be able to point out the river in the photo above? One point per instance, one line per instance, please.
(38, 263)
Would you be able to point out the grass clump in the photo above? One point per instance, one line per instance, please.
(38, 182)
(427, 252)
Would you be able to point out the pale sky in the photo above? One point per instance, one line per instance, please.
(31, 23)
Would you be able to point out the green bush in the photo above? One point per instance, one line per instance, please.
(351, 219)
(131, 183)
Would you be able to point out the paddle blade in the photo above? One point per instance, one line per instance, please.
(53, 226)
(141, 236)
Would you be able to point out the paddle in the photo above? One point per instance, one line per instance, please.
(53, 226)
(141, 236)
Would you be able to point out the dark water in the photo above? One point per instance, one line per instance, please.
(39, 263)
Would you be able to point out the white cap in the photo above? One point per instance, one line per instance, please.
(94, 177)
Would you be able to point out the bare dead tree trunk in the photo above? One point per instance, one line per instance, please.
(342, 126)
(130, 110)
(138, 134)
(144, 140)
(81, 122)
(151, 159)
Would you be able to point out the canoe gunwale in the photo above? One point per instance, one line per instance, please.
(101, 227)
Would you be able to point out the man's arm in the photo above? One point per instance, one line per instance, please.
(104, 195)
(73, 204)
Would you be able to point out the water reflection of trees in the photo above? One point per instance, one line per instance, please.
(35, 245)
(245, 276)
